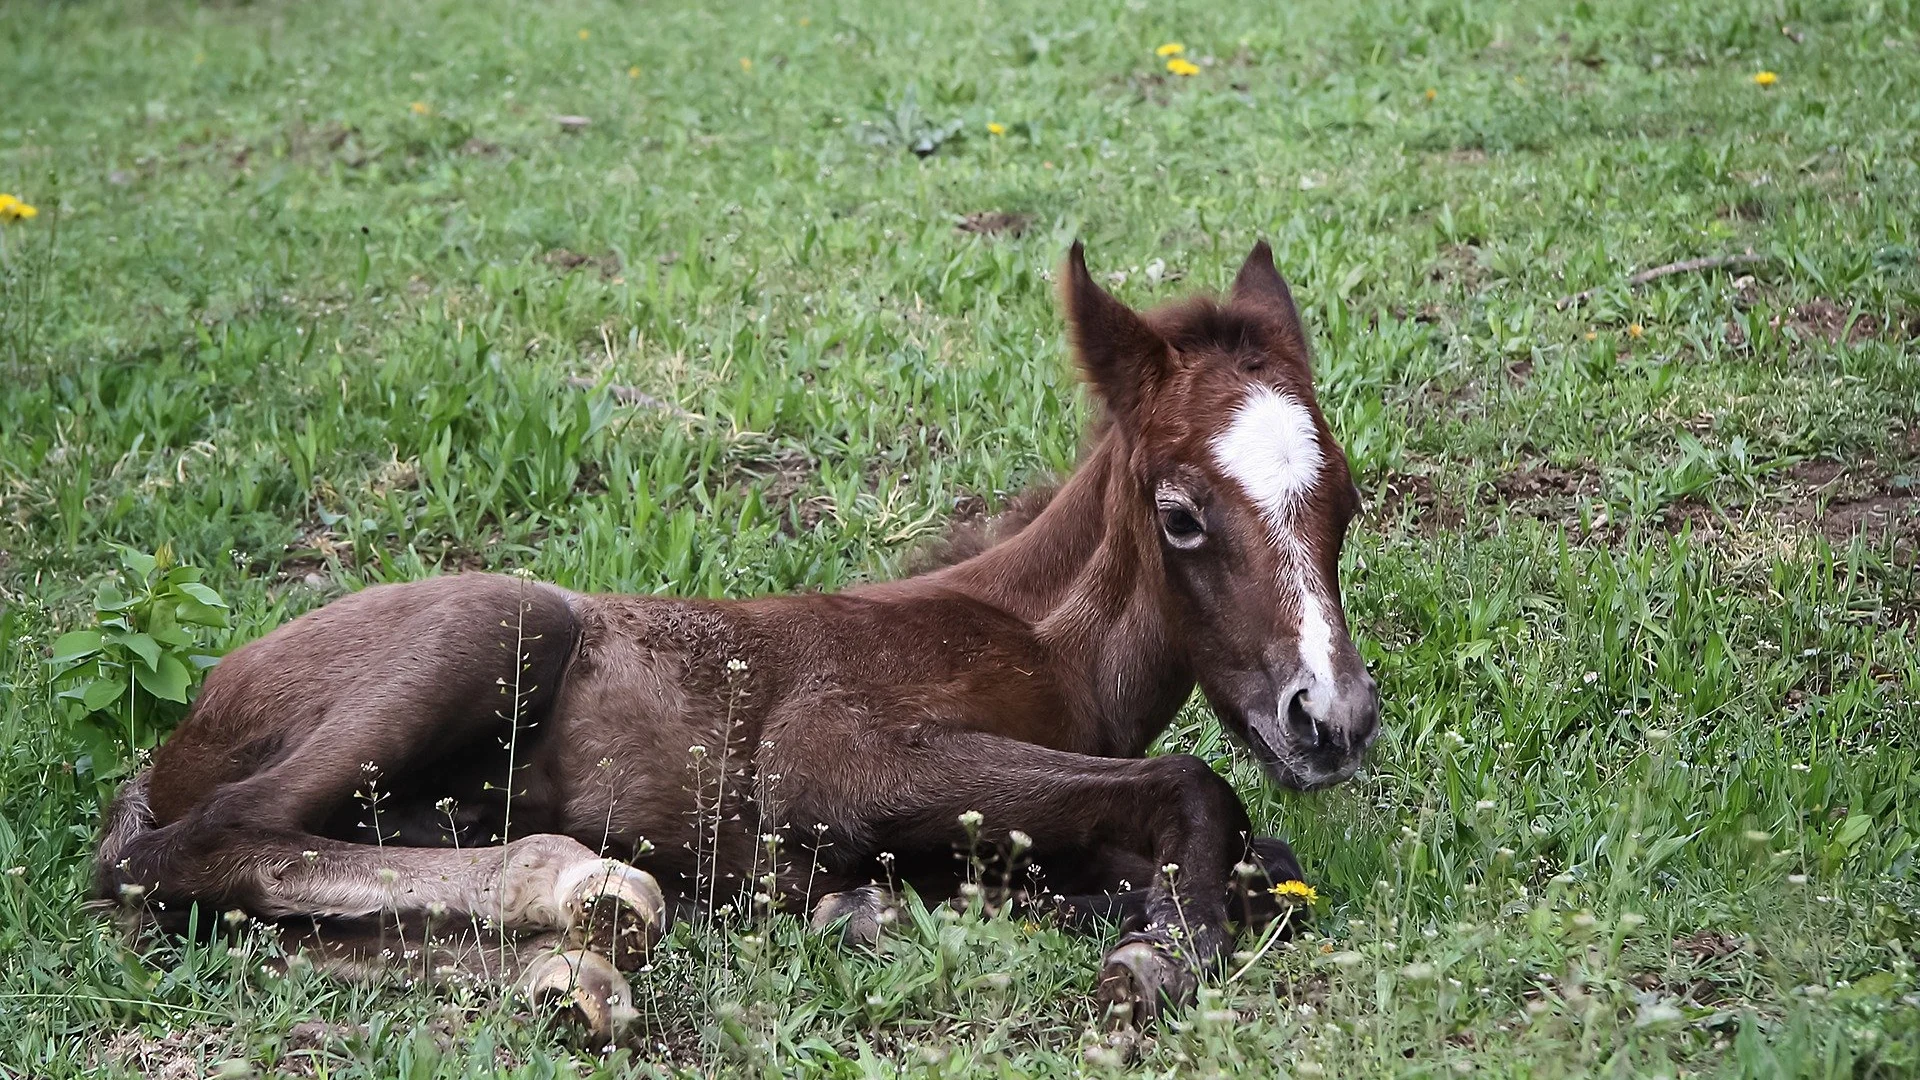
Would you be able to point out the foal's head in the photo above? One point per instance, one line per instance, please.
(1247, 497)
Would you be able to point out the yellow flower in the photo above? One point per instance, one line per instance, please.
(1171, 48)
(1295, 890)
(1635, 329)
(419, 108)
(996, 129)
(12, 209)
(1182, 67)
(746, 64)
(584, 35)
(1765, 78)
(806, 20)
(1432, 93)
(633, 72)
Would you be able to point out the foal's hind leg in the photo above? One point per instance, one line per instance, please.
(542, 882)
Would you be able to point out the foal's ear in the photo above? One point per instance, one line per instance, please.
(1259, 285)
(1120, 353)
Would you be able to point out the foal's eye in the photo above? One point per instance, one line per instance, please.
(1182, 528)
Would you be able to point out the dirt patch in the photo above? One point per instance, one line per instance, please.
(784, 479)
(567, 261)
(1411, 497)
(183, 1053)
(1705, 945)
(1840, 501)
(1461, 264)
(1541, 482)
(994, 223)
(1833, 323)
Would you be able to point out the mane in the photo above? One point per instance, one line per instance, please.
(1235, 329)
(969, 536)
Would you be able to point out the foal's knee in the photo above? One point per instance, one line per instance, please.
(1204, 800)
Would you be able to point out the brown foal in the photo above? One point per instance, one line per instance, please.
(509, 753)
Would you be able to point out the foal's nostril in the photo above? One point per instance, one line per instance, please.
(1302, 728)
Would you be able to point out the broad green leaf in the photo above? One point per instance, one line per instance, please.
(74, 645)
(110, 598)
(201, 593)
(167, 680)
(1853, 830)
(141, 645)
(102, 693)
(139, 564)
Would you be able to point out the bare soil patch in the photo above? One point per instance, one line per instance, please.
(1412, 497)
(567, 261)
(994, 223)
(182, 1053)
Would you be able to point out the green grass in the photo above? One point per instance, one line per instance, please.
(1646, 802)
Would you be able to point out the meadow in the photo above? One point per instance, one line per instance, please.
(636, 296)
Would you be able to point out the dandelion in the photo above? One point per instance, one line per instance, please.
(584, 35)
(419, 108)
(1634, 330)
(633, 72)
(1765, 78)
(746, 63)
(1182, 67)
(1171, 48)
(1295, 890)
(13, 209)
(1432, 93)
(996, 129)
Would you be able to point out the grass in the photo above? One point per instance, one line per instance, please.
(311, 283)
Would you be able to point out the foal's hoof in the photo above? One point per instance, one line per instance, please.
(614, 910)
(1141, 981)
(587, 986)
(861, 914)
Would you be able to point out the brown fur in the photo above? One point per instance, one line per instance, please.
(368, 757)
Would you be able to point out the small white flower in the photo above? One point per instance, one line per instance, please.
(971, 819)
(1483, 805)
(1796, 879)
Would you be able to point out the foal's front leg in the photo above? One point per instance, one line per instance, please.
(917, 782)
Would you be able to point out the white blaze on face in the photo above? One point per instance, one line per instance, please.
(1272, 450)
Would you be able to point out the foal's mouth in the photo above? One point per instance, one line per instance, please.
(1290, 770)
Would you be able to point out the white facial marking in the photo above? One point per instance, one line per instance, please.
(1272, 450)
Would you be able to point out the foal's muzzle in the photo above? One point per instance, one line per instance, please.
(1320, 732)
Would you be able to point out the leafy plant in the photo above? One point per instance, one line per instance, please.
(127, 679)
(902, 124)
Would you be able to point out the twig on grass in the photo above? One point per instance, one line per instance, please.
(1685, 266)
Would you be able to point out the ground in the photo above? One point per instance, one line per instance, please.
(637, 296)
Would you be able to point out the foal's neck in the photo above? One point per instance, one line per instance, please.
(1085, 574)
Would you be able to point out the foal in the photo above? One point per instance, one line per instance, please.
(544, 759)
